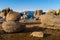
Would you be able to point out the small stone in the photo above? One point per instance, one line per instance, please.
(37, 34)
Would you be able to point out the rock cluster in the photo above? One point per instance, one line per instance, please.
(4, 12)
(50, 18)
(11, 23)
(51, 12)
(37, 13)
(13, 16)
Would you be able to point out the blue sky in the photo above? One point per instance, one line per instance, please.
(30, 5)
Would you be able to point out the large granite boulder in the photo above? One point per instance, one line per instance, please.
(13, 16)
(12, 26)
(51, 12)
(51, 20)
(4, 12)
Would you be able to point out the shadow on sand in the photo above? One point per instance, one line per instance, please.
(27, 30)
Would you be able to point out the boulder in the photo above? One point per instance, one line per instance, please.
(13, 16)
(58, 12)
(51, 12)
(37, 34)
(12, 26)
(37, 13)
(7, 10)
(4, 12)
(51, 20)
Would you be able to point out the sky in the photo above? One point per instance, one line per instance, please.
(30, 5)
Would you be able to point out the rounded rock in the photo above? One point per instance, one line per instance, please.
(13, 16)
(12, 26)
(52, 12)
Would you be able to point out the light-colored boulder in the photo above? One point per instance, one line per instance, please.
(51, 20)
(4, 12)
(56, 21)
(13, 16)
(11, 26)
(51, 12)
(37, 34)
(58, 12)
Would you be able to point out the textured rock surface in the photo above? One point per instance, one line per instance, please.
(37, 13)
(4, 12)
(52, 20)
(51, 12)
(2, 15)
(11, 26)
(37, 34)
(58, 12)
(13, 16)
